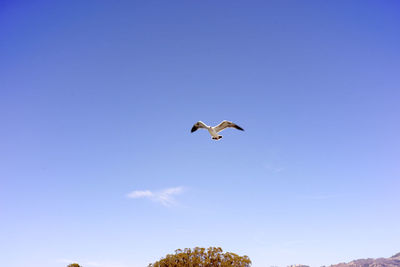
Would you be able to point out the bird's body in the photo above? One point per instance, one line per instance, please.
(216, 129)
(214, 133)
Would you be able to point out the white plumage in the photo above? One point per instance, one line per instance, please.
(216, 129)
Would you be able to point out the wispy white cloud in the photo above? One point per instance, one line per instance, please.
(318, 196)
(272, 168)
(140, 194)
(164, 197)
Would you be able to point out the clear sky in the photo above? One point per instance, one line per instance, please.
(97, 99)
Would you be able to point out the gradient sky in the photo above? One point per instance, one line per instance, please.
(97, 98)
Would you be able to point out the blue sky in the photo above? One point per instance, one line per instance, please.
(97, 99)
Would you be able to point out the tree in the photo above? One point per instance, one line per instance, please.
(74, 265)
(201, 257)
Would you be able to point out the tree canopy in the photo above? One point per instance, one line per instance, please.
(74, 265)
(201, 257)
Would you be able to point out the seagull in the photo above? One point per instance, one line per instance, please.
(216, 129)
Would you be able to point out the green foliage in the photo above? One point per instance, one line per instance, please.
(74, 265)
(201, 257)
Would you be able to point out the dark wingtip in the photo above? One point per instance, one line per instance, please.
(194, 128)
(239, 128)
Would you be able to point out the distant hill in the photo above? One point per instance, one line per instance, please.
(393, 261)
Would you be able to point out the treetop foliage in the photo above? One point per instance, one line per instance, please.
(201, 257)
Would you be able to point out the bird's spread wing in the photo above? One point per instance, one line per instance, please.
(198, 125)
(226, 124)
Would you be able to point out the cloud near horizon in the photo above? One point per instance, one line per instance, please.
(165, 197)
(93, 263)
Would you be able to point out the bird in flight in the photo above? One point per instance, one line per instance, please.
(216, 129)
